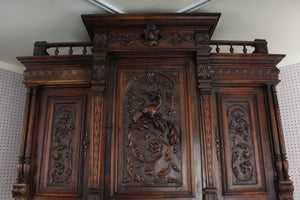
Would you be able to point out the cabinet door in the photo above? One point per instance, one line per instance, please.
(60, 133)
(246, 163)
(152, 104)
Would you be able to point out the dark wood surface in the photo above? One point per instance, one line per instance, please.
(152, 113)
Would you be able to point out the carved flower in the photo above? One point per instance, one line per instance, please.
(246, 155)
(154, 146)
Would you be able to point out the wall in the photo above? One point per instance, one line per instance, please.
(288, 91)
(12, 101)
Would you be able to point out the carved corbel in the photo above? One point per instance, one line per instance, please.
(98, 72)
(101, 39)
(95, 194)
(201, 38)
(286, 190)
(204, 71)
(20, 192)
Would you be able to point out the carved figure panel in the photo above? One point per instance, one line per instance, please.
(242, 160)
(152, 146)
(152, 149)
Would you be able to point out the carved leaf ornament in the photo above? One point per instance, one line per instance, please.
(242, 158)
(62, 145)
(152, 143)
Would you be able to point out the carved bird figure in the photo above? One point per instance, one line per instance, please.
(149, 110)
(152, 109)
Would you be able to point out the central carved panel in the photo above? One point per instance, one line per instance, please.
(152, 139)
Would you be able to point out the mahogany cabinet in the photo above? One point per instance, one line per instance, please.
(152, 109)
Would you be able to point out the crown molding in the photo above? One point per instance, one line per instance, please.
(114, 10)
(106, 6)
(192, 7)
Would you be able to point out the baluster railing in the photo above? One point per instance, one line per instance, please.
(260, 46)
(44, 48)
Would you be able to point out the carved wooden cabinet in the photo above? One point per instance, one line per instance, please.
(156, 110)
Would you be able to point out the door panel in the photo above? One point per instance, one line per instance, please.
(152, 137)
(246, 161)
(61, 128)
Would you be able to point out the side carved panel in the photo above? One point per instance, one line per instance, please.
(241, 142)
(62, 152)
(62, 144)
(242, 157)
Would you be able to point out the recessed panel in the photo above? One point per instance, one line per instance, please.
(152, 142)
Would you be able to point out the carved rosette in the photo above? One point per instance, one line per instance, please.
(62, 145)
(152, 142)
(242, 150)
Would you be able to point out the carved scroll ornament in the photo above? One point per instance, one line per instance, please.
(242, 151)
(62, 145)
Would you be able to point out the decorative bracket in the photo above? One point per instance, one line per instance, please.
(201, 39)
(101, 39)
(98, 72)
(204, 71)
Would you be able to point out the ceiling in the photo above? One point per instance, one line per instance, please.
(24, 22)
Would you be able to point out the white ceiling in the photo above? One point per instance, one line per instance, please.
(24, 22)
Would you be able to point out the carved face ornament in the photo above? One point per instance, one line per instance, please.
(151, 35)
